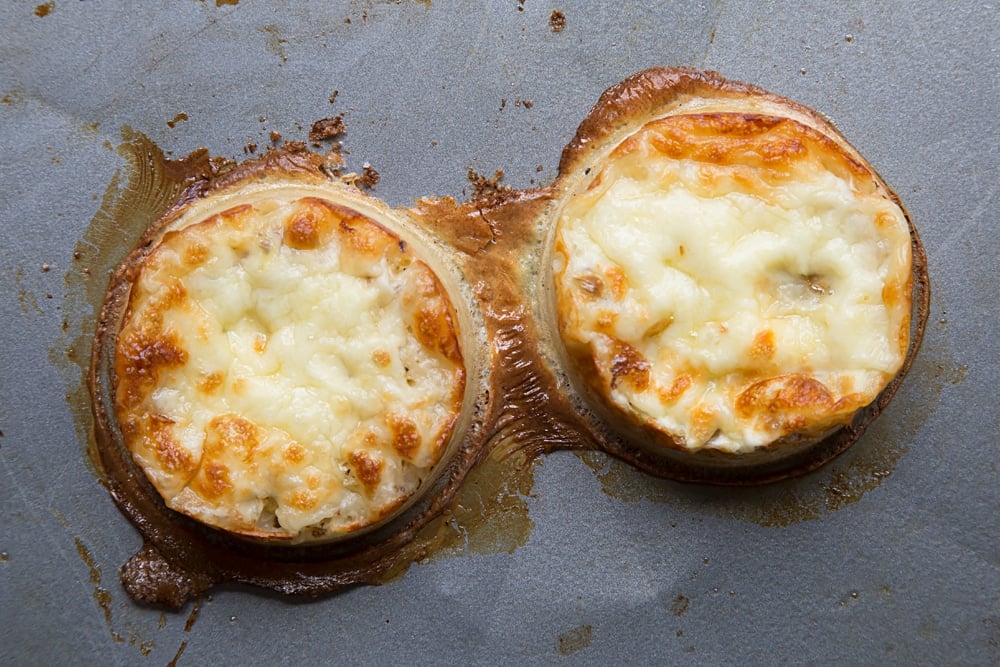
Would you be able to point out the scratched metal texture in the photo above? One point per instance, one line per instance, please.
(908, 574)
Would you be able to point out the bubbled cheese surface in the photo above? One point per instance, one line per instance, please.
(731, 280)
(287, 368)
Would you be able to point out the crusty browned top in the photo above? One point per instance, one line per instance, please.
(287, 367)
(733, 279)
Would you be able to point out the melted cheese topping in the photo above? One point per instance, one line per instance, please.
(287, 368)
(731, 280)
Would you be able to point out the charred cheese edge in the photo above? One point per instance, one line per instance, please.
(733, 280)
(287, 368)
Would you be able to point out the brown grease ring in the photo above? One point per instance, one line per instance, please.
(526, 408)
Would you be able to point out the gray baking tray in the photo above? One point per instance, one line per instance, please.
(890, 554)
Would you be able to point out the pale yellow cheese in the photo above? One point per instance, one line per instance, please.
(732, 280)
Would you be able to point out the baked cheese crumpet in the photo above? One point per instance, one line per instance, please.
(287, 367)
(729, 277)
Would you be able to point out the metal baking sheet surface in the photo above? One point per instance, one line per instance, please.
(898, 564)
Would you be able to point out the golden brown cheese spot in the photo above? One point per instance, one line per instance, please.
(229, 435)
(884, 221)
(302, 233)
(210, 382)
(778, 395)
(849, 402)
(362, 237)
(195, 254)
(677, 388)
(172, 295)
(432, 323)
(405, 436)
(763, 345)
(367, 468)
(311, 223)
(606, 321)
(303, 499)
(234, 217)
(702, 422)
(434, 330)
(381, 358)
(780, 150)
(143, 356)
(757, 147)
(213, 481)
(618, 281)
(629, 366)
(139, 360)
(171, 456)
(293, 453)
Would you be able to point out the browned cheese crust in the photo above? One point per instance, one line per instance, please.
(287, 368)
(731, 280)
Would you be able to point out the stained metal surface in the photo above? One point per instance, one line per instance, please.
(895, 561)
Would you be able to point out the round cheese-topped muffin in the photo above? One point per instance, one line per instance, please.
(287, 368)
(732, 281)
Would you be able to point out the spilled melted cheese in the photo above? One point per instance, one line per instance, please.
(732, 280)
(287, 368)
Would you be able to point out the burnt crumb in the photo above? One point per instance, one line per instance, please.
(365, 180)
(520, 5)
(347, 20)
(275, 137)
(488, 189)
(333, 162)
(333, 96)
(46, 267)
(77, 254)
(538, 169)
(503, 103)
(527, 104)
(177, 119)
(251, 147)
(557, 20)
(220, 165)
(326, 128)
(148, 578)
(369, 177)
(295, 146)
